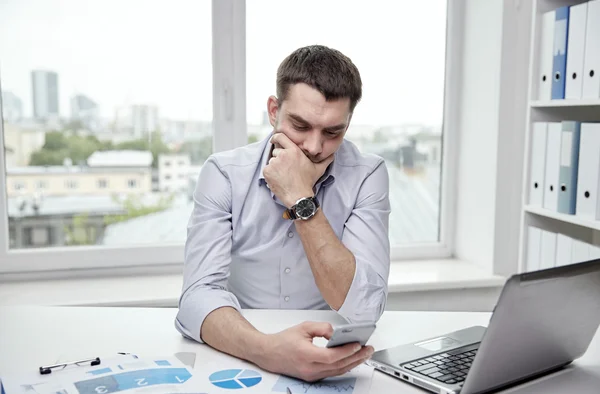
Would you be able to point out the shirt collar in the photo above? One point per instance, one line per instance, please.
(327, 178)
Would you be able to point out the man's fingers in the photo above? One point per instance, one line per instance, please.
(282, 140)
(332, 355)
(360, 356)
(317, 329)
(340, 371)
(276, 152)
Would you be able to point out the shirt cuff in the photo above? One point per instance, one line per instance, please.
(198, 303)
(366, 298)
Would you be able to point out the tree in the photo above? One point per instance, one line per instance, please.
(135, 208)
(44, 157)
(55, 141)
(252, 138)
(154, 144)
(199, 151)
(60, 145)
(78, 232)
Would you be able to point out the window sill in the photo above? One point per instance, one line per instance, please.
(164, 290)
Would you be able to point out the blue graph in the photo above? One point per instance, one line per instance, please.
(326, 386)
(235, 378)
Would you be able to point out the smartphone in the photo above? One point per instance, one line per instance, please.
(348, 333)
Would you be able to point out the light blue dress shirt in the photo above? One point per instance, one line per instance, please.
(241, 253)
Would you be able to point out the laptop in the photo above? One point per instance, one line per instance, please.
(543, 321)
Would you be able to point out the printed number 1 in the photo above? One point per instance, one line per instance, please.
(101, 390)
(141, 382)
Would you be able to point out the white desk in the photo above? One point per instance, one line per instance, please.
(32, 336)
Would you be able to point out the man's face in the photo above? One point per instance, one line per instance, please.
(317, 126)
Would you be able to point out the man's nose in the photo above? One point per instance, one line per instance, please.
(313, 144)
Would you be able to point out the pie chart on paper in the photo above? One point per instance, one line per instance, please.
(235, 378)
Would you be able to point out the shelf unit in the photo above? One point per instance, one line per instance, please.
(551, 111)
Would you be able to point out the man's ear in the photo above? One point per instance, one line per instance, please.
(272, 109)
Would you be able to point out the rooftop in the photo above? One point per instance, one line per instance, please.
(74, 169)
(70, 205)
(120, 158)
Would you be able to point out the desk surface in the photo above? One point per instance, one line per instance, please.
(31, 336)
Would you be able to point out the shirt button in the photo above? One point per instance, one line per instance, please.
(287, 270)
(286, 298)
(290, 234)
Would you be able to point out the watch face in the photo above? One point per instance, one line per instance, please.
(305, 208)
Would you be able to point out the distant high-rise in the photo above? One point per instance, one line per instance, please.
(85, 110)
(140, 120)
(45, 94)
(12, 107)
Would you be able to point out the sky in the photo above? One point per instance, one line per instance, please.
(122, 52)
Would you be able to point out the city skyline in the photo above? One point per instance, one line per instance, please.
(120, 66)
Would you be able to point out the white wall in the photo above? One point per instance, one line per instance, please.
(478, 129)
(492, 127)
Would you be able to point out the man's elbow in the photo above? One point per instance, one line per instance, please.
(366, 308)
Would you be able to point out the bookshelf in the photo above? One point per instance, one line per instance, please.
(546, 110)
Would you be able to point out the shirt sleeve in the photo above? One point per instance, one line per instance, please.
(366, 236)
(207, 252)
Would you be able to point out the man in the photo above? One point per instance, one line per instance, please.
(297, 221)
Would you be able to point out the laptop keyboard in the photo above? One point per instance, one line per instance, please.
(447, 368)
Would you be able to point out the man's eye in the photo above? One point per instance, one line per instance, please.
(332, 133)
(300, 128)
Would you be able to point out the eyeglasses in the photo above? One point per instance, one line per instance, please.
(45, 370)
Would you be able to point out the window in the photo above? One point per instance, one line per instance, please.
(37, 236)
(108, 99)
(400, 115)
(19, 185)
(71, 184)
(128, 113)
(40, 185)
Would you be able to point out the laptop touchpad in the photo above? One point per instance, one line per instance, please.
(437, 344)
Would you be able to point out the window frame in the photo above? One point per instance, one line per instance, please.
(230, 131)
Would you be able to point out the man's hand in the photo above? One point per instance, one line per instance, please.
(290, 174)
(292, 352)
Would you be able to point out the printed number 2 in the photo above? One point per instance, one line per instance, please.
(101, 390)
(141, 382)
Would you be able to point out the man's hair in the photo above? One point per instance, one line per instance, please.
(325, 69)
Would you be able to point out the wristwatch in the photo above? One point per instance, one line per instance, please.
(305, 208)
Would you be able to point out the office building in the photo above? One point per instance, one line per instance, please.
(12, 107)
(44, 86)
(85, 110)
(139, 120)
(173, 172)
